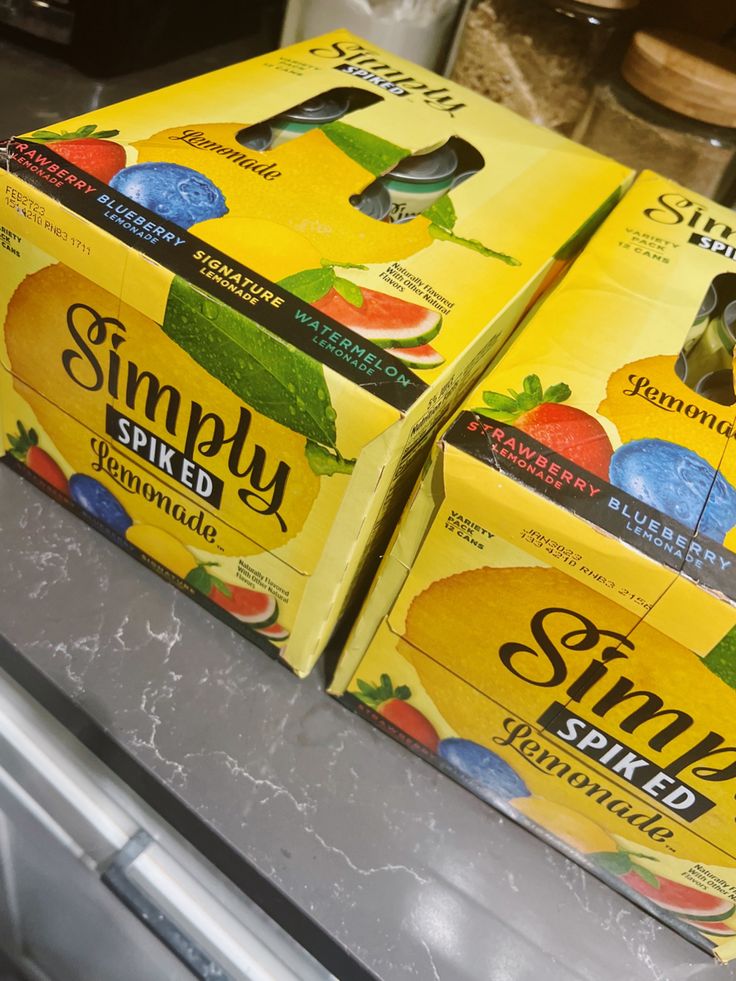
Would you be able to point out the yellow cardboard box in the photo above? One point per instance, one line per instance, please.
(553, 625)
(236, 311)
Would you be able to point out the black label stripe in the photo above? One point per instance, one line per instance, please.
(392, 381)
(636, 524)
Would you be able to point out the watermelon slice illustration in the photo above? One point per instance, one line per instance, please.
(261, 613)
(250, 606)
(696, 906)
(275, 632)
(714, 929)
(423, 356)
(386, 320)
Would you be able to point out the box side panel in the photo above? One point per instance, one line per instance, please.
(563, 717)
(253, 592)
(193, 473)
(384, 478)
(393, 570)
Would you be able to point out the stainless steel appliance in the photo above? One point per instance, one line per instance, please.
(94, 887)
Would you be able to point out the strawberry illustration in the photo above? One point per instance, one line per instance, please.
(93, 152)
(24, 447)
(392, 703)
(540, 413)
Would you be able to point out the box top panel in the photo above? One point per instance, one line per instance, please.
(343, 198)
(616, 400)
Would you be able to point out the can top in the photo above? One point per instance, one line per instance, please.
(256, 137)
(375, 201)
(689, 75)
(321, 109)
(424, 168)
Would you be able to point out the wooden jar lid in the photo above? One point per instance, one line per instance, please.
(689, 75)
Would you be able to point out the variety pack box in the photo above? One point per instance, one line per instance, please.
(236, 310)
(553, 625)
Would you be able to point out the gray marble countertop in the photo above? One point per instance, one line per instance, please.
(411, 874)
(340, 833)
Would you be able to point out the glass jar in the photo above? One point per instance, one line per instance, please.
(540, 58)
(672, 108)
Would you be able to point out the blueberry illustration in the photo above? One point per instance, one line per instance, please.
(93, 497)
(489, 775)
(178, 193)
(719, 515)
(676, 481)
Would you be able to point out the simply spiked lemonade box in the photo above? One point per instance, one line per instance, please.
(553, 625)
(236, 310)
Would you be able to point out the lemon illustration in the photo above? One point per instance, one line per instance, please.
(81, 377)
(271, 249)
(571, 827)
(642, 401)
(310, 195)
(462, 622)
(163, 547)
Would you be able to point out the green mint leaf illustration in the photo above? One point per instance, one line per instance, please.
(203, 580)
(374, 154)
(310, 285)
(470, 243)
(442, 213)
(617, 863)
(646, 874)
(220, 586)
(263, 371)
(325, 463)
(85, 131)
(349, 291)
(200, 580)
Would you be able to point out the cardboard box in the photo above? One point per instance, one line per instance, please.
(554, 624)
(229, 337)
